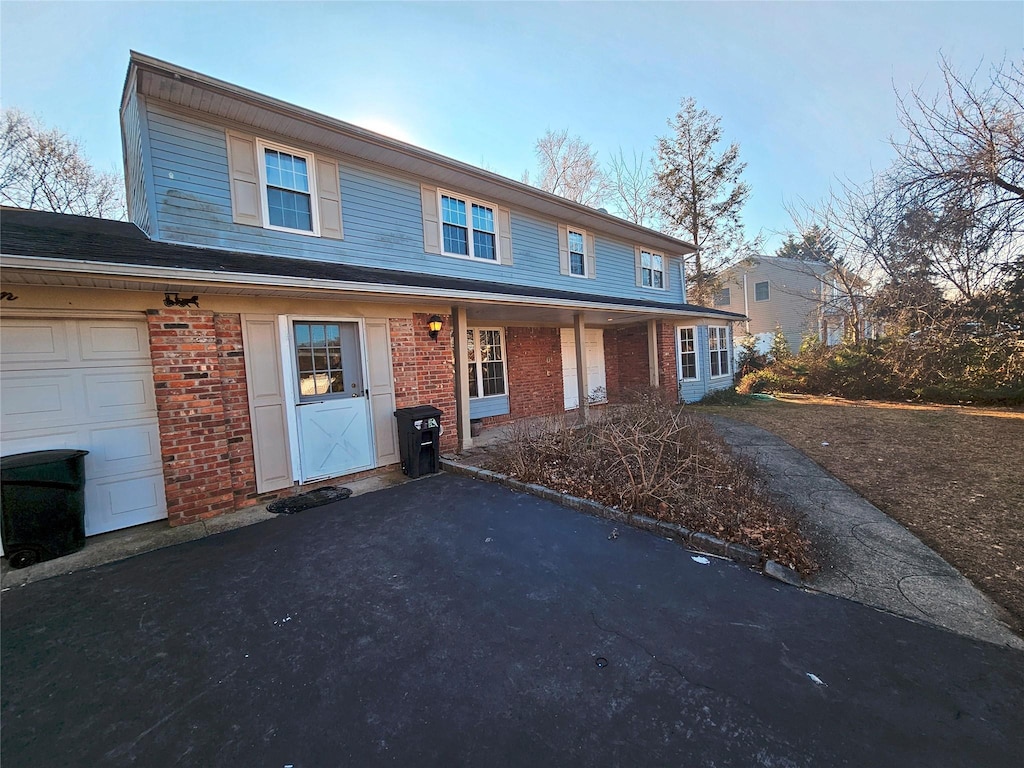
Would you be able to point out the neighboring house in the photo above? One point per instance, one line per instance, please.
(797, 296)
(253, 329)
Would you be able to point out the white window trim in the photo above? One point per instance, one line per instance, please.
(569, 231)
(728, 353)
(314, 202)
(469, 201)
(479, 363)
(695, 353)
(663, 270)
(769, 284)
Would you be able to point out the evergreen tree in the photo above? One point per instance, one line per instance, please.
(699, 192)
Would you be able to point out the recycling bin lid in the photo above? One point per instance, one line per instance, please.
(34, 458)
(418, 412)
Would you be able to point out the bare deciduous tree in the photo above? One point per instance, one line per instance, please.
(631, 184)
(568, 167)
(699, 191)
(45, 169)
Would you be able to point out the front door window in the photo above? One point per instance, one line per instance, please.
(327, 360)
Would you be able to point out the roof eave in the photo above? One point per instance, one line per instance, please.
(405, 156)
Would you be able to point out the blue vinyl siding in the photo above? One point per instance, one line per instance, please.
(383, 221)
(479, 407)
(135, 170)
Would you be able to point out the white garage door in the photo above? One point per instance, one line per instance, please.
(73, 383)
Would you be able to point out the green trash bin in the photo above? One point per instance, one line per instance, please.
(42, 505)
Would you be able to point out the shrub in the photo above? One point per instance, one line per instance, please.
(653, 458)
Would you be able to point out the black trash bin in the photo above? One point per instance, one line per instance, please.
(419, 439)
(42, 505)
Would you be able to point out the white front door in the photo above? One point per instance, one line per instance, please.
(596, 381)
(332, 410)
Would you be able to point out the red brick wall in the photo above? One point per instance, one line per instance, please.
(535, 385)
(238, 430)
(626, 360)
(424, 370)
(667, 361)
(190, 408)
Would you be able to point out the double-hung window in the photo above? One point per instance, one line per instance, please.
(718, 349)
(486, 356)
(652, 270)
(468, 228)
(722, 298)
(577, 254)
(288, 186)
(688, 353)
(761, 291)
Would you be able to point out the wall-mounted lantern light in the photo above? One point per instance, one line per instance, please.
(434, 326)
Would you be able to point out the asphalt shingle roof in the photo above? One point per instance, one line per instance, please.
(61, 236)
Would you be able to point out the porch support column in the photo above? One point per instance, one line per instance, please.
(581, 368)
(652, 353)
(461, 378)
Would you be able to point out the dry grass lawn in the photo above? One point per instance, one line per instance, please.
(952, 475)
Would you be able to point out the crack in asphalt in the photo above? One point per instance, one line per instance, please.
(646, 650)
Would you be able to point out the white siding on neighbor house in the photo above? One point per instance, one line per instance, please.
(383, 221)
(793, 299)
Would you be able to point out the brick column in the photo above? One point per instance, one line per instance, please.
(190, 409)
(667, 361)
(235, 397)
(424, 370)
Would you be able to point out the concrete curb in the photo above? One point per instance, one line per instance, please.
(700, 542)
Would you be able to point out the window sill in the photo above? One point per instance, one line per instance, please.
(475, 259)
(305, 232)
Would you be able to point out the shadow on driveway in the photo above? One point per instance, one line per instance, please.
(453, 622)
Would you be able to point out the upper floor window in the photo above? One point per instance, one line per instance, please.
(577, 255)
(718, 349)
(468, 228)
(289, 201)
(761, 291)
(652, 270)
(687, 343)
(278, 187)
(722, 298)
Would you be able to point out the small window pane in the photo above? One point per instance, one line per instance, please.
(576, 264)
(454, 211)
(761, 291)
(483, 218)
(575, 242)
(474, 387)
(658, 278)
(483, 246)
(722, 298)
(645, 259)
(455, 240)
(494, 378)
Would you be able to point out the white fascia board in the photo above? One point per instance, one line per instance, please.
(255, 280)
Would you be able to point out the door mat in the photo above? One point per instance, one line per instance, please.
(305, 501)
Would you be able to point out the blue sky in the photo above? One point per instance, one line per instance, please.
(805, 88)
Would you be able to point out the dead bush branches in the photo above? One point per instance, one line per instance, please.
(649, 457)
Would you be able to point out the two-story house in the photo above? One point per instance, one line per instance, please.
(288, 280)
(798, 296)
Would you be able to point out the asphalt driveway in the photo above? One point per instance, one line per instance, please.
(452, 622)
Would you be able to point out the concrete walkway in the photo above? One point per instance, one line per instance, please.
(867, 556)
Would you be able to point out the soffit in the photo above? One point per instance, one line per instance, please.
(185, 89)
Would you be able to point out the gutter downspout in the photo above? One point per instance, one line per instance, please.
(746, 304)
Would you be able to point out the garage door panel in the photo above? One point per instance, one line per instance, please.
(34, 341)
(122, 449)
(87, 384)
(23, 443)
(111, 340)
(123, 501)
(33, 399)
(123, 394)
